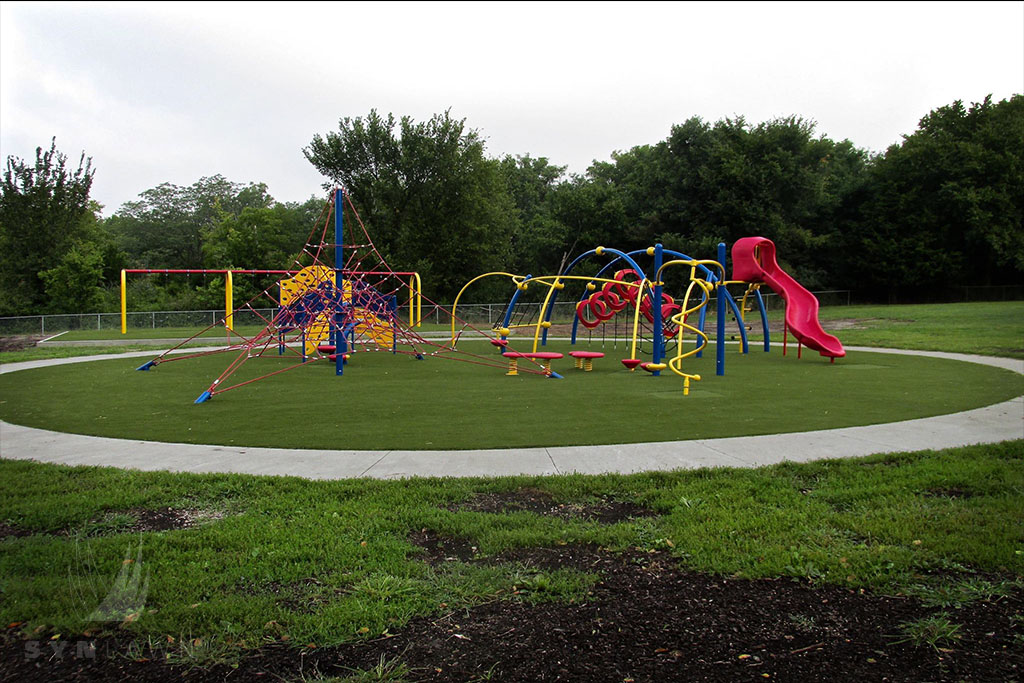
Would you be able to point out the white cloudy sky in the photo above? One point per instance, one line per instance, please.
(171, 92)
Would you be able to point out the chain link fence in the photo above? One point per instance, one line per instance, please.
(481, 315)
(54, 324)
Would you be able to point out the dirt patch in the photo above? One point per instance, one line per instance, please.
(19, 342)
(12, 531)
(138, 520)
(171, 519)
(441, 549)
(304, 596)
(951, 493)
(645, 621)
(605, 510)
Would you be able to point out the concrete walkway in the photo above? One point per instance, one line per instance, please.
(999, 422)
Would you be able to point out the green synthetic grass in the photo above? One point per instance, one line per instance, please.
(387, 401)
(284, 559)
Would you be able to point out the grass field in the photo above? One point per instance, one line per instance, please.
(986, 328)
(278, 559)
(396, 402)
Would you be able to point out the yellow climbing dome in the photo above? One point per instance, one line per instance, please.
(367, 324)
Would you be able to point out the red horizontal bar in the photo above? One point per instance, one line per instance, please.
(207, 271)
(192, 271)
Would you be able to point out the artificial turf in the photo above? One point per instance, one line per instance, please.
(387, 401)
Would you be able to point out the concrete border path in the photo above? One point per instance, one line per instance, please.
(999, 422)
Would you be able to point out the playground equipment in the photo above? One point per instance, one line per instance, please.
(328, 310)
(753, 259)
(621, 285)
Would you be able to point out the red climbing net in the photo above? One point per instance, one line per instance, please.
(358, 303)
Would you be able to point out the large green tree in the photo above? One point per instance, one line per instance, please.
(166, 226)
(944, 208)
(707, 184)
(44, 219)
(537, 241)
(431, 199)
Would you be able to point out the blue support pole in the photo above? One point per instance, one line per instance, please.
(659, 324)
(720, 323)
(739, 320)
(764, 321)
(339, 284)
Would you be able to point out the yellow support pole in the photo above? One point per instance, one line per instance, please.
(412, 302)
(636, 315)
(229, 304)
(415, 301)
(419, 301)
(555, 285)
(124, 302)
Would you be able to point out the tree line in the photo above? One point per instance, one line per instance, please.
(939, 210)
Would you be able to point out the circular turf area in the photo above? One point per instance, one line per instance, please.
(387, 402)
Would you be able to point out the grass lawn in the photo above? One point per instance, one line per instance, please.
(986, 328)
(253, 561)
(396, 402)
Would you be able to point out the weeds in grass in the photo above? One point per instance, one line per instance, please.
(111, 523)
(203, 653)
(385, 587)
(803, 622)
(935, 631)
(957, 594)
(384, 671)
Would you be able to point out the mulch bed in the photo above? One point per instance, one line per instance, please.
(604, 511)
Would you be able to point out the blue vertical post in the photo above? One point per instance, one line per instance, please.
(659, 324)
(339, 284)
(720, 323)
(764, 321)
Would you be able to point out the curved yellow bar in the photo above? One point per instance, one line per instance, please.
(555, 285)
(455, 305)
(675, 363)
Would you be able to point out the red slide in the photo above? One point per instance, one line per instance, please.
(753, 260)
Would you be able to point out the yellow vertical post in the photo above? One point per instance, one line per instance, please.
(412, 302)
(124, 302)
(417, 290)
(228, 303)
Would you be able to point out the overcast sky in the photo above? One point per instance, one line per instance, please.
(173, 92)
